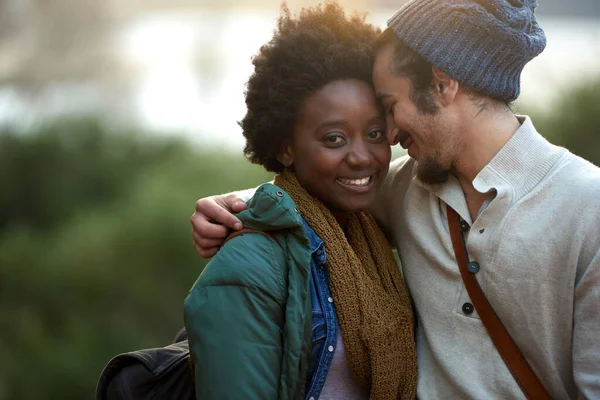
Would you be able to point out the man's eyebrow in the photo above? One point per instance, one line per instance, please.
(377, 118)
(382, 95)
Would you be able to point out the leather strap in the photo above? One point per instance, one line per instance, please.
(247, 230)
(530, 384)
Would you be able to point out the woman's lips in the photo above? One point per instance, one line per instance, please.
(360, 185)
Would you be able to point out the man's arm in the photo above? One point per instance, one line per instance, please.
(213, 220)
(586, 332)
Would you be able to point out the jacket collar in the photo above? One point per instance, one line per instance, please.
(271, 208)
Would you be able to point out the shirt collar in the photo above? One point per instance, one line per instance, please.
(317, 247)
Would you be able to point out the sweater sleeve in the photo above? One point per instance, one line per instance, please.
(234, 316)
(586, 332)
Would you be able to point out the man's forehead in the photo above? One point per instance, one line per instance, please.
(383, 67)
(383, 77)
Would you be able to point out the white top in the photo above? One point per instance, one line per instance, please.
(538, 246)
(339, 383)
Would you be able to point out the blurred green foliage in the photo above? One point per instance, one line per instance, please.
(95, 246)
(574, 122)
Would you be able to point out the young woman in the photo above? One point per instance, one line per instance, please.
(317, 308)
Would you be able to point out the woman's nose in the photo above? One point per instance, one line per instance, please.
(359, 155)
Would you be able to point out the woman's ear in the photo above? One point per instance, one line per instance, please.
(286, 156)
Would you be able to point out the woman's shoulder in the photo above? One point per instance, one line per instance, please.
(271, 208)
(250, 260)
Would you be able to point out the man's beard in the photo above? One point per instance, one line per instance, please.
(431, 172)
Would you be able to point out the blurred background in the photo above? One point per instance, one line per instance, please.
(115, 116)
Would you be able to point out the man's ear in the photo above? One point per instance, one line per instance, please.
(286, 156)
(445, 87)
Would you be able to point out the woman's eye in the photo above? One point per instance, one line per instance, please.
(375, 134)
(334, 139)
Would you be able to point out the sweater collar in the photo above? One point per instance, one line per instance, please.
(514, 171)
(521, 164)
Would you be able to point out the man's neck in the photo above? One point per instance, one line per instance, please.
(484, 136)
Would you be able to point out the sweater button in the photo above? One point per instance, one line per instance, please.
(473, 267)
(468, 308)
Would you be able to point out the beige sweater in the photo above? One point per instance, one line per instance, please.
(538, 245)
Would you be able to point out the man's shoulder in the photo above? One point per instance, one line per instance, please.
(402, 164)
(579, 175)
(401, 169)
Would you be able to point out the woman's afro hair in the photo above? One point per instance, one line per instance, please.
(320, 46)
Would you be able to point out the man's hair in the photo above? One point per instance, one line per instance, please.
(320, 46)
(406, 62)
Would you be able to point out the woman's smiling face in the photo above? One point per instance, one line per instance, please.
(339, 151)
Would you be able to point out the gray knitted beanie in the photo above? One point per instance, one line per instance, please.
(484, 44)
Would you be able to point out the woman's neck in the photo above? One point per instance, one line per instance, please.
(341, 217)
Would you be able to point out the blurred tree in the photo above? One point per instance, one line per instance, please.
(57, 40)
(95, 249)
(574, 121)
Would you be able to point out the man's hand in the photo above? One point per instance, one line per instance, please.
(213, 221)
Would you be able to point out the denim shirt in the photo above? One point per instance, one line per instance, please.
(324, 318)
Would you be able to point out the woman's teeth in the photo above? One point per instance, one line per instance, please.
(356, 182)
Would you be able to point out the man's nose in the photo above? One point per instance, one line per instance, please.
(392, 135)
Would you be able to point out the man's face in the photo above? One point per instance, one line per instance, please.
(430, 138)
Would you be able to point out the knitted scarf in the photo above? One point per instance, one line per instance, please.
(372, 302)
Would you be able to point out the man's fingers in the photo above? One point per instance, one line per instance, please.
(217, 209)
(213, 221)
(205, 253)
(206, 229)
(206, 243)
(238, 206)
(233, 203)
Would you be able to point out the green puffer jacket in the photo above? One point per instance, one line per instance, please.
(248, 315)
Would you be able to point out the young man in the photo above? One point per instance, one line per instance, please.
(446, 73)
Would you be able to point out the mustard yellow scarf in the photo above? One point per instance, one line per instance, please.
(372, 302)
